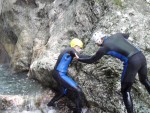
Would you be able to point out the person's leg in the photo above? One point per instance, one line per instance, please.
(143, 77)
(78, 100)
(61, 91)
(127, 79)
(125, 90)
(73, 86)
(58, 96)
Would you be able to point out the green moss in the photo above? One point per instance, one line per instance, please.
(98, 1)
(118, 2)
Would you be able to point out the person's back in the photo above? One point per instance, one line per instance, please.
(64, 59)
(119, 44)
(134, 62)
(60, 75)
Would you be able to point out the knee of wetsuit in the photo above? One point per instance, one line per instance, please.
(78, 89)
(126, 87)
(145, 81)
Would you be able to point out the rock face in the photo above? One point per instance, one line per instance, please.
(37, 30)
(4, 57)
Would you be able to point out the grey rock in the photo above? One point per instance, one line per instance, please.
(41, 29)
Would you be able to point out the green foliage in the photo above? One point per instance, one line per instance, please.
(98, 1)
(118, 2)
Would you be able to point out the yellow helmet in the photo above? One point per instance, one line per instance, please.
(76, 42)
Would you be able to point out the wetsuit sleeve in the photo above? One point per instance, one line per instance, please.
(72, 53)
(102, 51)
(83, 56)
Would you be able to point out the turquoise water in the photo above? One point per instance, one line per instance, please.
(22, 93)
(17, 84)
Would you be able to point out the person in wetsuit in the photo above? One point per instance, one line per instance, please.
(60, 74)
(117, 46)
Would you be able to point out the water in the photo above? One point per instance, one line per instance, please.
(18, 94)
(12, 84)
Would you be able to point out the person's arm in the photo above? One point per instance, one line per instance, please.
(94, 58)
(77, 55)
(83, 56)
(124, 35)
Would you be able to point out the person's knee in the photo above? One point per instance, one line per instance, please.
(126, 87)
(144, 81)
(78, 90)
(123, 90)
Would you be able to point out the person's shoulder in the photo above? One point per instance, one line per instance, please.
(116, 34)
(69, 49)
(126, 35)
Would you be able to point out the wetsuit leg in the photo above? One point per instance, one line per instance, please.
(73, 86)
(137, 63)
(128, 77)
(78, 100)
(125, 90)
(58, 96)
(143, 78)
(61, 90)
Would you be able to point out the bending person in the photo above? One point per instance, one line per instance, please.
(61, 77)
(134, 62)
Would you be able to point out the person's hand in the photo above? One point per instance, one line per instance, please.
(76, 56)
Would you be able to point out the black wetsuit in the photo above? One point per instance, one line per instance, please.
(134, 62)
(63, 80)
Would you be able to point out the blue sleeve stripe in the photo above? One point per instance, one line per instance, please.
(118, 55)
(122, 58)
(124, 72)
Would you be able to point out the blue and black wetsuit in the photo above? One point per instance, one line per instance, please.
(134, 62)
(63, 80)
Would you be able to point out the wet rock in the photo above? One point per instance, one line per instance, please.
(43, 31)
(23, 52)
(8, 101)
(4, 56)
(51, 111)
(148, 1)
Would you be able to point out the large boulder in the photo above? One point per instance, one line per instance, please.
(43, 28)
